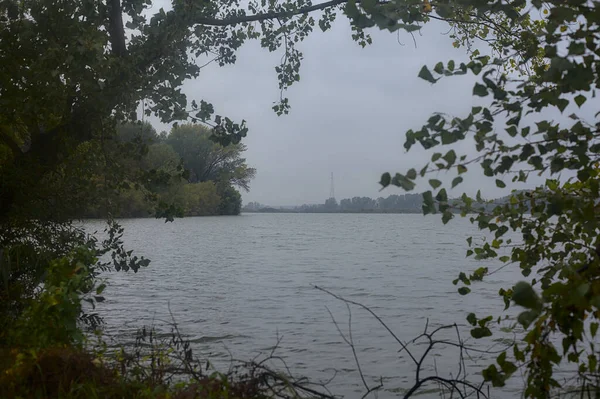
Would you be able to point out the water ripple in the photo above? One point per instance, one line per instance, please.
(237, 285)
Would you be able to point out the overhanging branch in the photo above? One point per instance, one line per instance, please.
(267, 15)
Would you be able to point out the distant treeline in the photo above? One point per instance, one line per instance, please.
(408, 203)
(187, 170)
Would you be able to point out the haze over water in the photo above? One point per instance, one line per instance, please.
(235, 285)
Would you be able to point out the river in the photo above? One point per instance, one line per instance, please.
(238, 285)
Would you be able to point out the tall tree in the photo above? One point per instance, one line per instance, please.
(207, 160)
(142, 132)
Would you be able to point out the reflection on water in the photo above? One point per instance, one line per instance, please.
(236, 284)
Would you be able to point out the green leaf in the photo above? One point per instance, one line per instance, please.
(472, 319)
(100, 289)
(403, 182)
(464, 290)
(386, 178)
(426, 75)
(509, 368)
(592, 363)
(411, 174)
(447, 216)
(481, 332)
(442, 195)
(435, 183)
(562, 103)
(428, 204)
(579, 100)
(461, 169)
(576, 48)
(593, 329)
(501, 359)
(439, 68)
(476, 67)
(456, 181)
(480, 90)
(525, 296)
(450, 157)
(583, 175)
(500, 183)
(527, 317)
(519, 355)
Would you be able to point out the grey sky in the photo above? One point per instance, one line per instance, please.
(350, 112)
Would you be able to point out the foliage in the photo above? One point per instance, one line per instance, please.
(142, 132)
(186, 170)
(199, 199)
(207, 160)
(231, 200)
(69, 373)
(408, 203)
(47, 272)
(51, 319)
(521, 127)
(24, 265)
(156, 366)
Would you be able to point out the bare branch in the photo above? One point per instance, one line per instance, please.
(455, 384)
(402, 344)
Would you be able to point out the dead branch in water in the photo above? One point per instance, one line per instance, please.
(457, 385)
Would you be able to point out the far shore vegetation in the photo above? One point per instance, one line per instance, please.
(191, 172)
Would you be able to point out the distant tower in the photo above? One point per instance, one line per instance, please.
(332, 188)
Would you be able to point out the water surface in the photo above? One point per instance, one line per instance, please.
(237, 285)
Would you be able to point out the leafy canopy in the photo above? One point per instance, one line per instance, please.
(532, 118)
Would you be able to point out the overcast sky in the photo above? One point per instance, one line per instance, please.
(350, 112)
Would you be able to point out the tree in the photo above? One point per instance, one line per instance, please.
(231, 200)
(330, 205)
(219, 168)
(162, 157)
(142, 132)
(200, 199)
(207, 160)
(542, 71)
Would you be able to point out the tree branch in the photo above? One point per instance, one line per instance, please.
(267, 15)
(116, 30)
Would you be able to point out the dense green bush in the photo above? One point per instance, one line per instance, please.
(186, 170)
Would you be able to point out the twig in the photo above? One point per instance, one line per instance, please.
(458, 384)
(404, 347)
